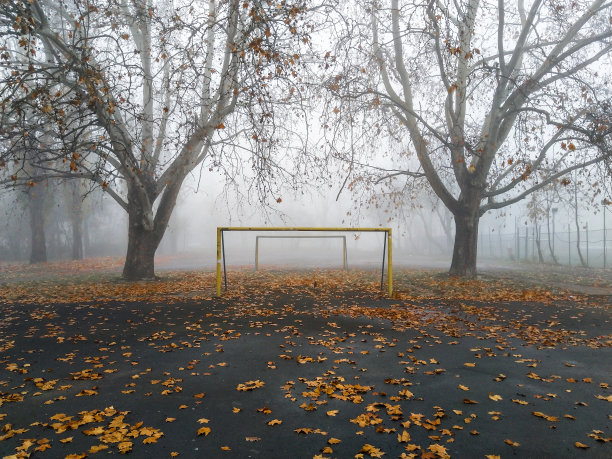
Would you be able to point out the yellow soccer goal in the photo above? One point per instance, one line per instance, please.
(387, 252)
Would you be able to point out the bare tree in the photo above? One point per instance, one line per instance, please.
(136, 94)
(493, 99)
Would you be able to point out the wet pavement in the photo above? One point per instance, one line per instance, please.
(300, 373)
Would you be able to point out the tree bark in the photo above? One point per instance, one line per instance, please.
(140, 258)
(538, 238)
(582, 260)
(142, 244)
(38, 253)
(76, 221)
(143, 237)
(77, 238)
(465, 250)
(466, 246)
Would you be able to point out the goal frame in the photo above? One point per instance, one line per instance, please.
(387, 247)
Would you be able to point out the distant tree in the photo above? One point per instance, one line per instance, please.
(493, 100)
(135, 94)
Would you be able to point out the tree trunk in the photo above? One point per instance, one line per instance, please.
(582, 260)
(143, 241)
(465, 250)
(76, 221)
(38, 253)
(77, 238)
(142, 244)
(538, 238)
(550, 247)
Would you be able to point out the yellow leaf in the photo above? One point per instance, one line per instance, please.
(462, 387)
(334, 441)
(470, 365)
(125, 447)
(94, 431)
(274, 422)
(174, 454)
(204, 431)
(97, 448)
(495, 397)
(581, 445)
(250, 385)
(438, 449)
(236, 410)
(511, 443)
(404, 437)
(203, 421)
(170, 419)
(520, 402)
(371, 450)
(226, 448)
(545, 416)
(332, 412)
(66, 440)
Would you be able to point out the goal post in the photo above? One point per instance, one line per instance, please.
(257, 238)
(387, 247)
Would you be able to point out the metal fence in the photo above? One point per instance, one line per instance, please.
(569, 247)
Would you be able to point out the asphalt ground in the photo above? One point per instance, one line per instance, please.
(308, 370)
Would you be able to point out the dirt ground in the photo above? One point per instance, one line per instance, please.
(303, 364)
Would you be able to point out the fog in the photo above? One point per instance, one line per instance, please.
(422, 234)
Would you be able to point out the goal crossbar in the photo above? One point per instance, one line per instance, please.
(387, 248)
(257, 238)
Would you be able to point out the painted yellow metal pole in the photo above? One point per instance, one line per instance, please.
(218, 261)
(390, 265)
